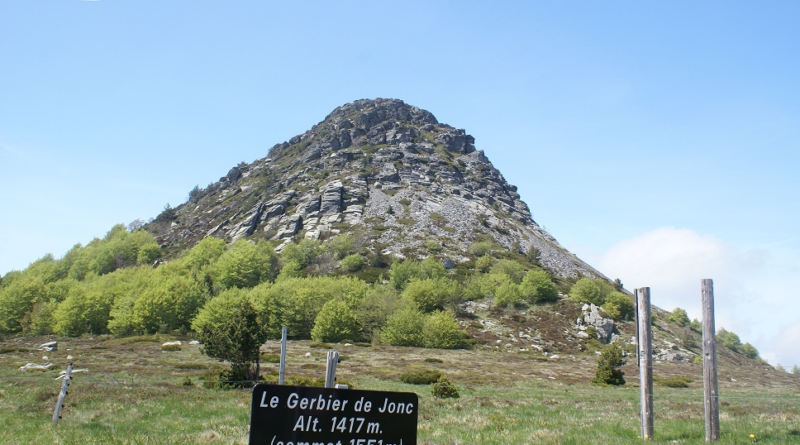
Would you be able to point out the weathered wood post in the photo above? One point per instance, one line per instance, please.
(710, 389)
(330, 371)
(62, 395)
(282, 373)
(644, 349)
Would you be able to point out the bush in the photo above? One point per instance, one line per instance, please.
(404, 328)
(441, 330)
(507, 294)
(433, 360)
(679, 317)
(510, 268)
(353, 263)
(421, 376)
(171, 347)
(749, 351)
(334, 323)
(484, 263)
(728, 339)
(537, 287)
(187, 381)
(270, 358)
(674, 382)
(444, 389)
(587, 291)
(619, 306)
(430, 294)
(608, 372)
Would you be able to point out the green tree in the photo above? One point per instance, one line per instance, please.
(608, 372)
(353, 263)
(484, 263)
(679, 317)
(537, 287)
(342, 245)
(587, 290)
(728, 339)
(18, 298)
(749, 351)
(507, 294)
(335, 322)
(510, 268)
(441, 330)
(619, 306)
(380, 303)
(303, 253)
(246, 264)
(404, 328)
(430, 294)
(237, 341)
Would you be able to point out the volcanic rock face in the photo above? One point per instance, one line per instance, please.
(379, 168)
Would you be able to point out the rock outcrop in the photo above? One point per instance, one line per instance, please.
(378, 168)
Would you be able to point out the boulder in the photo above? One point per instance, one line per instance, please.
(49, 346)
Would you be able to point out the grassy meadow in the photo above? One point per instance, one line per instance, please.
(128, 391)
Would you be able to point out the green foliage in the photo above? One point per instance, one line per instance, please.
(482, 286)
(608, 372)
(696, 326)
(204, 253)
(421, 376)
(679, 317)
(380, 303)
(303, 253)
(441, 330)
(430, 294)
(480, 249)
(512, 269)
(218, 309)
(537, 287)
(353, 263)
(187, 381)
(728, 339)
(433, 246)
(342, 245)
(484, 263)
(246, 264)
(335, 322)
(444, 389)
(508, 294)
(674, 382)
(148, 253)
(587, 290)
(236, 340)
(749, 351)
(403, 272)
(171, 348)
(619, 306)
(17, 298)
(404, 328)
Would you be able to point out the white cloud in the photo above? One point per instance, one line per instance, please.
(754, 289)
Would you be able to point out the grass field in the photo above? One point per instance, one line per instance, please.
(132, 393)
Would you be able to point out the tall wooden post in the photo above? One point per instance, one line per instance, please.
(644, 349)
(282, 372)
(330, 371)
(710, 389)
(62, 394)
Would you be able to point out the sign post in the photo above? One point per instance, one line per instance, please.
(294, 415)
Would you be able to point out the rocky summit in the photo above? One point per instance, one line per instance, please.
(381, 169)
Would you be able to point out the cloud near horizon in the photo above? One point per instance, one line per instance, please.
(753, 289)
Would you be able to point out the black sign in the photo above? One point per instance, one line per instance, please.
(295, 415)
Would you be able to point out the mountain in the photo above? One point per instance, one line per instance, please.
(381, 169)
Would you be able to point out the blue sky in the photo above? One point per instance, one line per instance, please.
(658, 141)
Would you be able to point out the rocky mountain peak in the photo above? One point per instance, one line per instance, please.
(386, 171)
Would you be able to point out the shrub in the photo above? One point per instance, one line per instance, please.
(187, 381)
(674, 382)
(507, 294)
(608, 372)
(270, 358)
(484, 263)
(404, 328)
(679, 317)
(433, 360)
(334, 323)
(537, 287)
(430, 294)
(480, 249)
(421, 376)
(441, 330)
(510, 268)
(353, 263)
(444, 389)
(586, 291)
(728, 339)
(619, 306)
(171, 347)
(749, 351)
(698, 360)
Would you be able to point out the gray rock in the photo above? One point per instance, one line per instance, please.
(448, 263)
(49, 346)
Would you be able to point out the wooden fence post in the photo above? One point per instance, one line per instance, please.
(330, 371)
(62, 395)
(644, 349)
(282, 373)
(710, 389)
